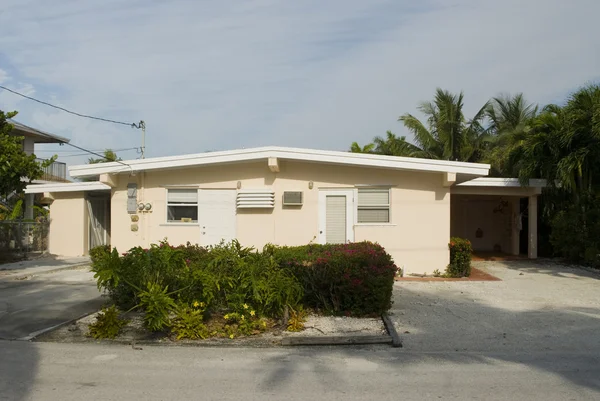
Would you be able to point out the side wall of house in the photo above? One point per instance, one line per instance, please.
(486, 220)
(416, 237)
(68, 224)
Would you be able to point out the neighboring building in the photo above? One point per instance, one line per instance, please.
(56, 172)
(292, 196)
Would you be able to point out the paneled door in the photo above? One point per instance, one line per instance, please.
(216, 215)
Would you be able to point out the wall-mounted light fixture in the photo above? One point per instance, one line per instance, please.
(310, 185)
(239, 185)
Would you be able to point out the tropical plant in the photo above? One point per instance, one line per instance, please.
(108, 324)
(17, 168)
(356, 148)
(447, 134)
(109, 156)
(511, 119)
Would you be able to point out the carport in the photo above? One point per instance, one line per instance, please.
(81, 221)
(497, 215)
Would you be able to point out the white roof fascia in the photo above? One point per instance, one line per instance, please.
(320, 156)
(66, 187)
(502, 182)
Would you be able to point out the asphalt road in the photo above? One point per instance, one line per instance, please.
(50, 371)
(45, 300)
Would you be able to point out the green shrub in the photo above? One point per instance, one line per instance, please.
(352, 279)
(108, 324)
(189, 321)
(576, 231)
(460, 257)
(99, 252)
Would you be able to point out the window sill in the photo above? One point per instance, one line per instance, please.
(179, 224)
(375, 224)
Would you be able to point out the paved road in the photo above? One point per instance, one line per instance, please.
(45, 300)
(47, 371)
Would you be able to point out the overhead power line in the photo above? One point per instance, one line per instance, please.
(134, 125)
(78, 147)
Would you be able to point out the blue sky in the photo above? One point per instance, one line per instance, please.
(208, 75)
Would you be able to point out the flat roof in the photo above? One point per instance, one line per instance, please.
(502, 182)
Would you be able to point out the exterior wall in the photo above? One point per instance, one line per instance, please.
(471, 213)
(417, 236)
(68, 224)
(28, 145)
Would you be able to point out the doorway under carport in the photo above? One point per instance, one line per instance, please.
(498, 215)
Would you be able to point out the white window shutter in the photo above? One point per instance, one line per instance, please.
(182, 196)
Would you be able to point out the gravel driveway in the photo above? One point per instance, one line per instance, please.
(538, 306)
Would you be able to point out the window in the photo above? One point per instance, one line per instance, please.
(373, 205)
(182, 205)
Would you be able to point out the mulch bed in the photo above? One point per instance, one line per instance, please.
(476, 275)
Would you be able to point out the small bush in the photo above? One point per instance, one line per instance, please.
(189, 322)
(108, 324)
(99, 252)
(297, 319)
(460, 258)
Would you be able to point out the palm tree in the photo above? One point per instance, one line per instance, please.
(510, 122)
(448, 135)
(356, 148)
(392, 145)
(109, 156)
(564, 144)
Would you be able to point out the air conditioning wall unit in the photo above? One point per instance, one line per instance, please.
(292, 198)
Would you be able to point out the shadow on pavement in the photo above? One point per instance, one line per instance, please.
(18, 369)
(562, 342)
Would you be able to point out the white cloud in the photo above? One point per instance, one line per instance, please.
(205, 75)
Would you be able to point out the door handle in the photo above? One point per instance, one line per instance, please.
(203, 232)
(320, 232)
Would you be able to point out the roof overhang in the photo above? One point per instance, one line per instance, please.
(38, 135)
(66, 187)
(273, 154)
(499, 186)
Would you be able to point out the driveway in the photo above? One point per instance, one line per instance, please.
(37, 301)
(539, 306)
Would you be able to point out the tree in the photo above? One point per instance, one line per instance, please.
(392, 145)
(109, 156)
(356, 148)
(563, 145)
(448, 135)
(17, 168)
(511, 120)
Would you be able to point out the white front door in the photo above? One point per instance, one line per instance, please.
(336, 216)
(216, 215)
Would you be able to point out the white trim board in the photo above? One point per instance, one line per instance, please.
(296, 154)
(66, 187)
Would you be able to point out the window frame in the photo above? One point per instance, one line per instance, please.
(167, 205)
(387, 207)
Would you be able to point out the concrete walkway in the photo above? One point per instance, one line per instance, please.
(33, 303)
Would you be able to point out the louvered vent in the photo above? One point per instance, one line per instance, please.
(255, 199)
(292, 198)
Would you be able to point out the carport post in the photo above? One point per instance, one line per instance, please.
(516, 217)
(533, 230)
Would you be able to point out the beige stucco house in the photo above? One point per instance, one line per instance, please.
(293, 196)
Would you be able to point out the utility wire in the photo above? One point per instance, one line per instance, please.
(78, 147)
(134, 125)
(75, 151)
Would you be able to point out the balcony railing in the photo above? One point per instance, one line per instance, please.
(57, 171)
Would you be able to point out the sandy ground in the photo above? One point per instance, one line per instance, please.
(76, 332)
(538, 306)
